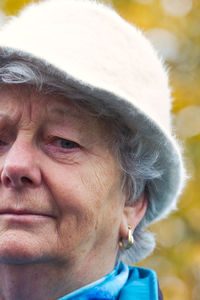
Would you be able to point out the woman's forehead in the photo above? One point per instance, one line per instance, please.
(14, 101)
(24, 105)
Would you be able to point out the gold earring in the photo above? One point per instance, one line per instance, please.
(130, 241)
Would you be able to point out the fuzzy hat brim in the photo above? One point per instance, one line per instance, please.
(109, 61)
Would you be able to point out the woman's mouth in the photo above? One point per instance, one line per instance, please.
(23, 215)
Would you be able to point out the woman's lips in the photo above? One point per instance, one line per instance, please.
(23, 215)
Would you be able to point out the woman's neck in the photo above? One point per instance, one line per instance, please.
(33, 282)
(44, 280)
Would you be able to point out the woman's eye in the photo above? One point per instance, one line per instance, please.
(59, 146)
(67, 144)
(2, 143)
(3, 146)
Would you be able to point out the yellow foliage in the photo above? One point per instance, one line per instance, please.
(12, 7)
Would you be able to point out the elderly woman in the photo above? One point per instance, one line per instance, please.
(87, 160)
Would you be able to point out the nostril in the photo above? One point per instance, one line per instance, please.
(19, 177)
(7, 181)
(26, 180)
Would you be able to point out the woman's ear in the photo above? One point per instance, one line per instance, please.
(132, 215)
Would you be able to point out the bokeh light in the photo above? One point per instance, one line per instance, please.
(187, 121)
(166, 43)
(177, 8)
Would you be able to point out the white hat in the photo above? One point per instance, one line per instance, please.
(104, 56)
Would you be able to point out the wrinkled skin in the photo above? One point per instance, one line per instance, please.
(62, 210)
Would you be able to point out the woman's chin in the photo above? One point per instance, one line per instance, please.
(18, 249)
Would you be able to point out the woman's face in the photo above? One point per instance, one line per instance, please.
(61, 200)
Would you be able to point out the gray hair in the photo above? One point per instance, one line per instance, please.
(137, 158)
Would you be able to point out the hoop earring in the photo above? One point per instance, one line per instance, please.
(129, 242)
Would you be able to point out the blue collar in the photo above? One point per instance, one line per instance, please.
(123, 283)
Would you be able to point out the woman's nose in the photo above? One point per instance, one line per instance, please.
(20, 167)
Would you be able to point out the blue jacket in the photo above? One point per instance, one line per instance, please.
(123, 283)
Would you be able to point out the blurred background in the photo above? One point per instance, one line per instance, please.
(174, 28)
